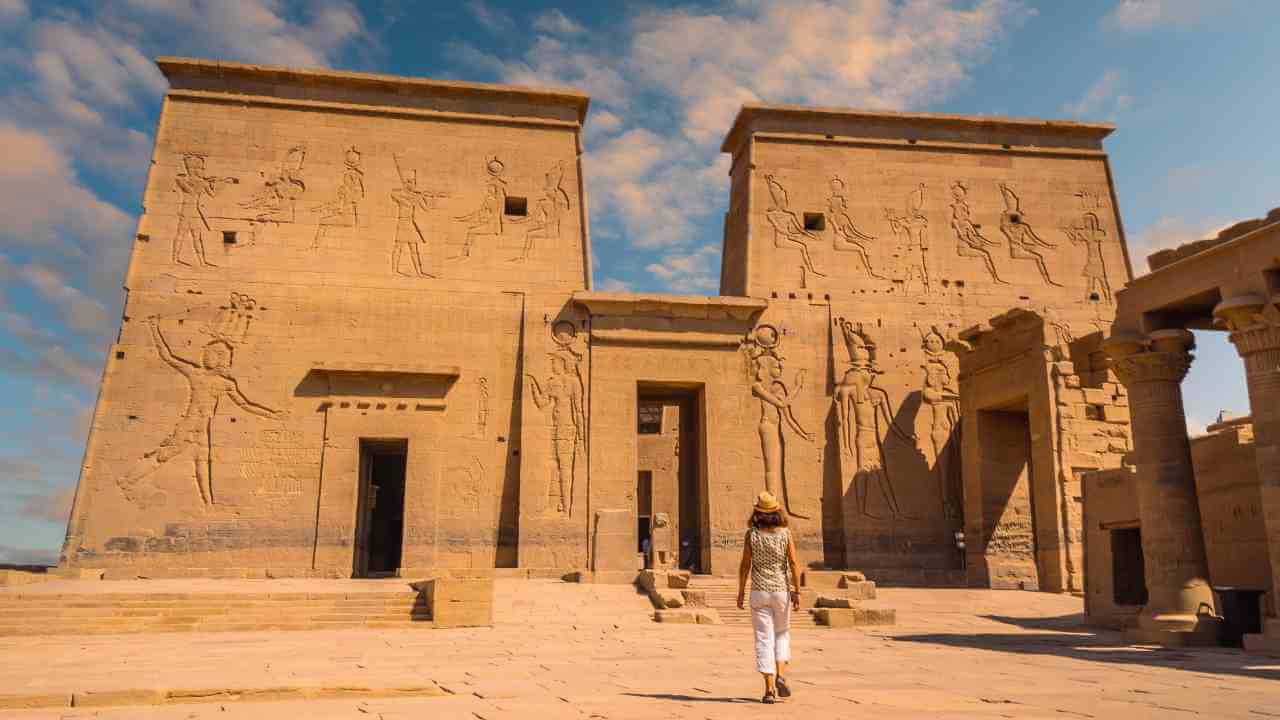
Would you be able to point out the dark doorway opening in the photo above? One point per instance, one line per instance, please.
(1008, 544)
(671, 482)
(1128, 573)
(380, 507)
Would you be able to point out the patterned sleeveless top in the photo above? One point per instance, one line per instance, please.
(769, 560)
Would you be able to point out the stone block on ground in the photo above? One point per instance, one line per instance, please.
(648, 580)
(695, 598)
(854, 617)
(667, 598)
(864, 590)
(679, 579)
(852, 577)
(459, 603)
(708, 616)
(829, 601)
(808, 598)
(822, 579)
(683, 617)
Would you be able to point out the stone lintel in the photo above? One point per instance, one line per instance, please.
(832, 123)
(562, 104)
(680, 306)
(451, 372)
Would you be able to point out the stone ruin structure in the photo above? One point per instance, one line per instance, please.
(360, 339)
(1194, 525)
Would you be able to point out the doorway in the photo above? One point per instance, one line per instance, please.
(1008, 542)
(380, 508)
(671, 497)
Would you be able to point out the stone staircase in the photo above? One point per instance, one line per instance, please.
(722, 594)
(107, 612)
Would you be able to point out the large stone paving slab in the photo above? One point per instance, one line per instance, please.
(955, 654)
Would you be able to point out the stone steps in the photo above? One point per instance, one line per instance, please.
(103, 613)
(722, 594)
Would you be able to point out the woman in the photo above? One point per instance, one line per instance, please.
(767, 553)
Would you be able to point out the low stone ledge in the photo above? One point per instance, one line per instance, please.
(854, 617)
(458, 603)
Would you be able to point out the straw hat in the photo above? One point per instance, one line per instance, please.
(767, 503)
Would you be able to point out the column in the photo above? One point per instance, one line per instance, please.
(1255, 331)
(1177, 572)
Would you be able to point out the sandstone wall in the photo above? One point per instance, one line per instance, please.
(902, 226)
(323, 259)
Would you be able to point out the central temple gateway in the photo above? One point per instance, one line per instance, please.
(360, 339)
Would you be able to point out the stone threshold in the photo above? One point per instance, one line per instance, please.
(189, 696)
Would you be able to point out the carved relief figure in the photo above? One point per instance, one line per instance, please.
(1023, 241)
(788, 231)
(209, 381)
(1089, 233)
(564, 393)
(487, 219)
(776, 410)
(548, 210)
(344, 209)
(911, 231)
(409, 236)
(848, 238)
(193, 186)
(942, 398)
(862, 412)
(276, 201)
(972, 243)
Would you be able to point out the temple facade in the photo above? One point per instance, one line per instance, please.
(360, 338)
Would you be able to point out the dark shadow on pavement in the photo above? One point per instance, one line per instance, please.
(1104, 646)
(691, 698)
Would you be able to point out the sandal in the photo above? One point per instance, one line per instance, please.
(768, 699)
(783, 690)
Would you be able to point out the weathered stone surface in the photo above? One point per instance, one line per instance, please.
(854, 617)
(687, 617)
(678, 579)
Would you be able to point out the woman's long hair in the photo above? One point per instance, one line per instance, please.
(764, 520)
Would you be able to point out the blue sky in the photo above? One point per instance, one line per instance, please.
(1190, 84)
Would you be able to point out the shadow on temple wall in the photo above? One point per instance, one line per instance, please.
(1066, 636)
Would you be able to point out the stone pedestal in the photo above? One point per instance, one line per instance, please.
(1180, 607)
(1254, 323)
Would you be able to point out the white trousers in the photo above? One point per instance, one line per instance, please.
(771, 620)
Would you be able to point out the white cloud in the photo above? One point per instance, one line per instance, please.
(495, 20)
(15, 555)
(1166, 233)
(1143, 15)
(52, 507)
(694, 273)
(1102, 98)
(556, 23)
(614, 285)
(694, 68)
(13, 11)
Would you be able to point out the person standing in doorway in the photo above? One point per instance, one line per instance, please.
(769, 558)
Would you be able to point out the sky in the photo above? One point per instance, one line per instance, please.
(1186, 82)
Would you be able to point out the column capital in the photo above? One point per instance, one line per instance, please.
(1161, 356)
(1253, 321)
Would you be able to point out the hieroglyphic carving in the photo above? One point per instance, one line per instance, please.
(482, 407)
(277, 200)
(788, 230)
(564, 392)
(409, 236)
(941, 396)
(463, 487)
(1089, 233)
(848, 238)
(486, 220)
(764, 359)
(193, 186)
(1023, 240)
(208, 381)
(911, 230)
(971, 242)
(548, 211)
(861, 408)
(344, 209)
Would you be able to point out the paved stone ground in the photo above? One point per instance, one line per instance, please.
(566, 651)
